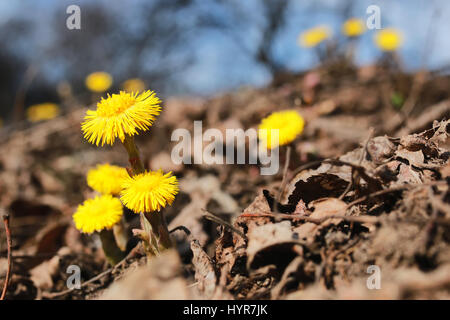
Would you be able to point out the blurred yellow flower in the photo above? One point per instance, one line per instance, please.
(353, 27)
(107, 179)
(42, 111)
(102, 212)
(289, 124)
(314, 36)
(99, 81)
(149, 191)
(119, 115)
(134, 85)
(388, 39)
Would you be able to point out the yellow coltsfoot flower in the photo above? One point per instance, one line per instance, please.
(314, 36)
(149, 191)
(289, 124)
(102, 212)
(42, 111)
(119, 115)
(353, 27)
(107, 179)
(388, 39)
(99, 81)
(134, 85)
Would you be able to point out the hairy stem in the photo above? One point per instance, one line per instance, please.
(159, 228)
(112, 252)
(133, 155)
(120, 234)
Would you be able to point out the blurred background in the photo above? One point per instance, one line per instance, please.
(191, 47)
(230, 64)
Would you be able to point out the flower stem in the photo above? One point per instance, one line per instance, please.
(120, 234)
(284, 181)
(112, 252)
(159, 229)
(133, 154)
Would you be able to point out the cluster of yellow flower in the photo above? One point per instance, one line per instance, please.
(98, 82)
(101, 81)
(388, 39)
(144, 192)
(123, 116)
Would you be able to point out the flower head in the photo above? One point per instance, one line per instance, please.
(149, 191)
(102, 212)
(98, 81)
(388, 39)
(42, 111)
(134, 85)
(289, 124)
(353, 27)
(119, 115)
(107, 179)
(314, 36)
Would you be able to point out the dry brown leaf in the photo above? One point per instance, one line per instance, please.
(205, 273)
(159, 280)
(42, 275)
(322, 208)
(267, 242)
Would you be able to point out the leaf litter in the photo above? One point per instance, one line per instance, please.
(351, 202)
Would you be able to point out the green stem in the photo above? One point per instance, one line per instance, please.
(133, 154)
(112, 252)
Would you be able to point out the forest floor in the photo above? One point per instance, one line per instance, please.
(367, 194)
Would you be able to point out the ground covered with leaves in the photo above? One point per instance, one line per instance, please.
(368, 184)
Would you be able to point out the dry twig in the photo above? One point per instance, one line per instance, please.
(285, 171)
(360, 219)
(208, 215)
(361, 158)
(52, 295)
(9, 244)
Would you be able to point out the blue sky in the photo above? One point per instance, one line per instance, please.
(220, 64)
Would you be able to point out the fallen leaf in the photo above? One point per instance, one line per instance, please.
(323, 208)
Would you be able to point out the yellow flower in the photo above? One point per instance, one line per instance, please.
(149, 191)
(107, 179)
(42, 111)
(119, 115)
(388, 39)
(289, 124)
(102, 212)
(134, 85)
(353, 27)
(98, 81)
(314, 36)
